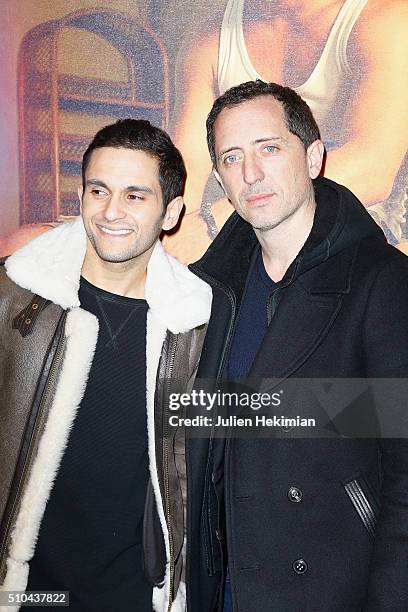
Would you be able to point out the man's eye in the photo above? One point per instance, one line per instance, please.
(231, 159)
(271, 149)
(98, 192)
(135, 196)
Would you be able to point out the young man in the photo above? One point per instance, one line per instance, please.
(91, 486)
(304, 286)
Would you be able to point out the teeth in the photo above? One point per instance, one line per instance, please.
(115, 232)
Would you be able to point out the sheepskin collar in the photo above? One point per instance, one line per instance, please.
(50, 266)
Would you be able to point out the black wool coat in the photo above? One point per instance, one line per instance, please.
(317, 524)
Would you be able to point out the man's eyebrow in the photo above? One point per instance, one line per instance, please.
(98, 183)
(223, 151)
(95, 182)
(143, 188)
(270, 139)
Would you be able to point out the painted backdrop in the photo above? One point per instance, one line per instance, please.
(71, 66)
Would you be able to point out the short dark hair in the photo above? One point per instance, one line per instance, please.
(141, 135)
(298, 116)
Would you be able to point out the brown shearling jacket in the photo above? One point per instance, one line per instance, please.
(46, 350)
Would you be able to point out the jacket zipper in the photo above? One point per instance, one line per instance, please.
(271, 307)
(166, 479)
(230, 295)
(273, 298)
(225, 352)
(227, 505)
(51, 378)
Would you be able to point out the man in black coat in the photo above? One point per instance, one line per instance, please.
(305, 286)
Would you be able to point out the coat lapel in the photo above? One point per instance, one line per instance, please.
(299, 326)
(304, 316)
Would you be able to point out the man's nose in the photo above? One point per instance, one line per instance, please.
(114, 209)
(252, 169)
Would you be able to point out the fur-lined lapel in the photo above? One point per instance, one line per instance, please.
(50, 266)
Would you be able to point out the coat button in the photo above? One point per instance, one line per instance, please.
(295, 494)
(300, 566)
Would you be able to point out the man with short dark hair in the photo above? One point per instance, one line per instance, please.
(92, 486)
(304, 287)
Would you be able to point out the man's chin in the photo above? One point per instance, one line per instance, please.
(262, 224)
(118, 257)
(264, 227)
(106, 253)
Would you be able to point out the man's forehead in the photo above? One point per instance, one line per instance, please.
(251, 121)
(122, 162)
(261, 105)
(118, 155)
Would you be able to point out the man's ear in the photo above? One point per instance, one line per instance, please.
(80, 193)
(314, 155)
(172, 214)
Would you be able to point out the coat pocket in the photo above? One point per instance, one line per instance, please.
(363, 502)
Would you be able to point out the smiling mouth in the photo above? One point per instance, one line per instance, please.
(114, 232)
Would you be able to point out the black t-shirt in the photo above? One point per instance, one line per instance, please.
(90, 540)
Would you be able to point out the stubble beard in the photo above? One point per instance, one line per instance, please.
(134, 250)
(267, 226)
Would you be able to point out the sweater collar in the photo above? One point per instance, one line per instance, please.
(50, 266)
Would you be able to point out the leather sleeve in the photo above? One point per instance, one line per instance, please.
(21, 364)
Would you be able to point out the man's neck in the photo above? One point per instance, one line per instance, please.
(125, 278)
(281, 244)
